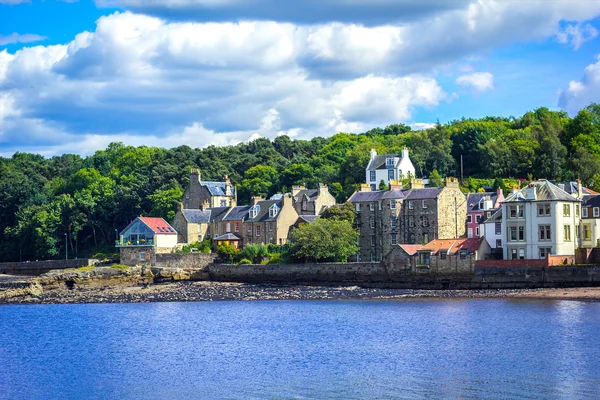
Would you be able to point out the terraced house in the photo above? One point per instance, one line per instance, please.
(269, 221)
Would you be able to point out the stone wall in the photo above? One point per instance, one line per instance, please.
(184, 260)
(40, 267)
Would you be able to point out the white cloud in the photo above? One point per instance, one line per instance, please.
(478, 81)
(20, 38)
(581, 93)
(576, 35)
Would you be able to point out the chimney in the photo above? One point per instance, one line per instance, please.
(515, 189)
(195, 175)
(373, 153)
(531, 192)
(205, 205)
(365, 187)
(579, 189)
(499, 192)
(405, 153)
(416, 183)
(322, 188)
(255, 199)
(296, 189)
(452, 182)
(287, 199)
(395, 185)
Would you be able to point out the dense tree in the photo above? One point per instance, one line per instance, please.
(340, 212)
(435, 179)
(324, 240)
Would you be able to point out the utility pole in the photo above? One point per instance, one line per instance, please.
(461, 170)
(66, 248)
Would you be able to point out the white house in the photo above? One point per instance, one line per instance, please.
(493, 230)
(590, 221)
(388, 167)
(143, 238)
(540, 219)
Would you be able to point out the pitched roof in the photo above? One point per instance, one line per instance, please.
(263, 212)
(453, 246)
(591, 201)
(573, 188)
(218, 213)
(473, 200)
(495, 217)
(217, 188)
(196, 216)
(310, 193)
(541, 190)
(422, 194)
(363, 197)
(237, 213)
(158, 225)
(410, 249)
(228, 236)
(307, 218)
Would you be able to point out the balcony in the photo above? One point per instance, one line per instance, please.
(136, 243)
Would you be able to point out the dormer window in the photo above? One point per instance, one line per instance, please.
(254, 211)
(389, 162)
(273, 210)
(482, 204)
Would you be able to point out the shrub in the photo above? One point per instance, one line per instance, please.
(275, 259)
(227, 253)
(244, 261)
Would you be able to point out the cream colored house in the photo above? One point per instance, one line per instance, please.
(590, 221)
(269, 221)
(540, 219)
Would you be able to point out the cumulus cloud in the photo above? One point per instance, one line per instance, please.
(478, 81)
(20, 38)
(576, 35)
(581, 93)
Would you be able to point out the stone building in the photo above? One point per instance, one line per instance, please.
(229, 228)
(410, 216)
(200, 195)
(191, 225)
(269, 221)
(312, 201)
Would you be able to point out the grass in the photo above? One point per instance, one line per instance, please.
(119, 266)
(87, 268)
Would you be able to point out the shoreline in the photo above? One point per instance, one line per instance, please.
(185, 291)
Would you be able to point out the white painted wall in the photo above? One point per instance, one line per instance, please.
(490, 234)
(165, 241)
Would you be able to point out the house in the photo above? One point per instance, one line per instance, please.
(269, 221)
(493, 232)
(388, 167)
(541, 219)
(191, 224)
(228, 228)
(145, 237)
(201, 194)
(312, 201)
(590, 221)
(481, 206)
(408, 216)
(572, 188)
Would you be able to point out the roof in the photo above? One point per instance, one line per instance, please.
(422, 194)
(217, 188)
(410, 249)
(158, 225)
(263, 212)
(363, 197)
(237, 213)
(495, 217)
(196, 216)
(310, 193)
(573, 188)
(541, 190)
(453, 246)
(379, 161)
(591, 201)
(473, 200)
(228, 236)
(307, 218)
(218, 213)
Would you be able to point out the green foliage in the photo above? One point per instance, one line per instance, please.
(244, 261)
(201, 247)
(85, 268)
(255, 252)
(435, 179)
(324, 240)
(383, 185)
(227, 253)
(119, 266)
(340, 212)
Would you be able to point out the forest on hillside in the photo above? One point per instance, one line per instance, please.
(80, 202)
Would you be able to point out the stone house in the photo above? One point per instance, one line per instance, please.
(229, 228)
(201, 194)
(388, 167)
(541, 219)
(481, 206)
(416, 215)
(145, 237)
(312, 201)
(191, 224)
(269, 221)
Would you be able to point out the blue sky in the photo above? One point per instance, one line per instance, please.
(77, 75)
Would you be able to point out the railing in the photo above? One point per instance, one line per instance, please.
(122, 243)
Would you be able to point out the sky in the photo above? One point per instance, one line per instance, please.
(78, 75)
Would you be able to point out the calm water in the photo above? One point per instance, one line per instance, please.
(300, 350)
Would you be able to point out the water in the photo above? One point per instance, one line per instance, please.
(302, 350)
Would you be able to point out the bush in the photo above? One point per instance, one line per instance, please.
(227, 253)
(200, 247)
(244, 261)
(275, 259)
(255, 252)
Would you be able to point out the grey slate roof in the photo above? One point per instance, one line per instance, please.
(378, 162)
(591, 201)
(237, 213)
(573, 187)
(263, 212)
(216, 188)
(422, 194)
(308, 218)
(495, 217)
(310, 193)
(228, 236)
(218, 213)
(196, 216)
(544, 191)
(473, 200)
(364, 197)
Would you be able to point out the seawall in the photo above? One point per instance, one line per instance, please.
(40, 267)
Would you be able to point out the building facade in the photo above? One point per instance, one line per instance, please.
(143, 238)
(312, 201)
(200, 195)
(590, 221)
(481, 206)
(388, 167)
(269, 221)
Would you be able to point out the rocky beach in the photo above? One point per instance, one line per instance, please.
(136, 284)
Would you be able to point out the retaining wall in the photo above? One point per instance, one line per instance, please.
(184, 260)
(39, 267)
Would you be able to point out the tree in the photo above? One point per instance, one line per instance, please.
(435, 179)
(324, 240)
(164, 202)
(383, 185)
(340, 212)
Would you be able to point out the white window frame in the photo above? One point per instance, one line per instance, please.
(372, 206)
(423, 204)
(389, 162)
(498, 228)
(228, 227)
(357, 207)
(249, 228)
(373, 241)
(567, 233)
(410, 205)
(379, 206)
(596, 212)
(584, 212)
(392, 204)
(566, 210)
(372, 222)
(273, 211)
(394, 221)
(142, 256)
(254, 210)
(589, 232)
(469, 219)
(257, 231)
(393, 239)
(547, 233)
(372, 176)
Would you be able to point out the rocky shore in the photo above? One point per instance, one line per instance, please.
(136, 284)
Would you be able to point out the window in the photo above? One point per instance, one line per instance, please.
(477, 231)
(257, 230)
(584, 212)
(443, 254)
(372, 206)
(357, 207)
(236, 227)
(516, 212)
(543, 210)
(373, 241)
(254, 211)
(596, 212)
(379, 205)
(411, 221)
(587, 232)
(566, 210)
(270, 227)
(463, 254)
(498, 228)
(373, 257)
(521, 254)
(372, 222)
(545, 251)
(488, 214)
(513, 254)
(392, 204)
(372, 176)
(521, 233)
(273, 210)
(425, 238)
(223, 203)
(567, 233)
(470, 232)
(469, 219)
(410, 205)
(424, 258)
(544, 231)
(423, 204)
(228, 227)
(479, 219)
(498, 243)
(577, 210)
(390, 174)
(394, 221)
(249, 228)
(393, 239)
(142, 256)
(389, 162)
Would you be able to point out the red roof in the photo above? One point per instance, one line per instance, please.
(158, 225)
(410, 249)
(453, 246)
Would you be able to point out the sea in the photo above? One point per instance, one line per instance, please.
(362, 349)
